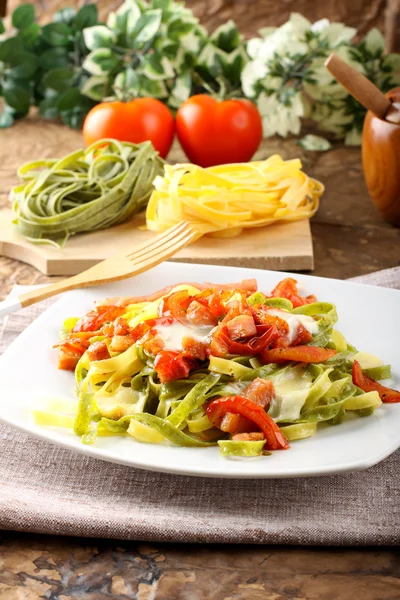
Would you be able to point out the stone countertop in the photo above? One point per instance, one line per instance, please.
(349, 239)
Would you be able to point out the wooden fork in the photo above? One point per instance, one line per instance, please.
(114, 268)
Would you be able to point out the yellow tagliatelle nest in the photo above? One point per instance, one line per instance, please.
(228, 198)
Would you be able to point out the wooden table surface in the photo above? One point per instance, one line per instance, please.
(349, 239)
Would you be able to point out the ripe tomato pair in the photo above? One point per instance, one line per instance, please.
(210, 132)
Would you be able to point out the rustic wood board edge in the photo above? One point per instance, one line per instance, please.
(280, 247)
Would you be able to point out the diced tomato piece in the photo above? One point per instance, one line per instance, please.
(67, 359)
(303, 336)
(195, 348)
(260, 391)
(173, 365)
(98, 351)
(140, 330)
(199, 314)
(175, 305)
(367, 384)
(98, 316)
(211, 299)
(287, 288)
(75, 344)
(241, 327)
(107, 330)
(216, 409)
(256, 344)
(254, 436)
(305, 354)
(220, 342)
(234, 308)
(234, 423)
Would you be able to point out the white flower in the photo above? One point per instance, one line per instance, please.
(335, 33)
(254, 71)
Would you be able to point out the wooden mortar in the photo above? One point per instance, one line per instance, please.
(381, 162)
(381, 137)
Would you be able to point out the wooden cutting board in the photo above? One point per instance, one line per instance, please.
(280, 247)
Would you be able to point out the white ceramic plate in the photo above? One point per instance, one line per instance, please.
(368, 316)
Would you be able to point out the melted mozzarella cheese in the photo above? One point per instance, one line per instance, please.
(172, 335)
(294, 321)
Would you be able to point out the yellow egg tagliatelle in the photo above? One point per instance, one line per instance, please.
(225, 199)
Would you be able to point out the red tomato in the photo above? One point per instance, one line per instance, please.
(217, 409)
(305, 354)
(214, 133)
(173, 365)
(135, 121)
(367, 384)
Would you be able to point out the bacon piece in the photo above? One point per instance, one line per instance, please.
(260, 391)
(199, 314)
(233, 423)
(195, 348)
(98, 351)
(67, 359)
(120, 343)
(240, 327)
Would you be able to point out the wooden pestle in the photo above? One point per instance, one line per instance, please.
(363, 90)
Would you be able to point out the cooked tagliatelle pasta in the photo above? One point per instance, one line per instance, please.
(202, 365)
(228, 198)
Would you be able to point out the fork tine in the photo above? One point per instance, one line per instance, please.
(151, 261)
(158, 240)
(168, 245)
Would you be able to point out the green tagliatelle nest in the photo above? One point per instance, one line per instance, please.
(90, 189)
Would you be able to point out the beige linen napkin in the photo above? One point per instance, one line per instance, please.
(47, 489)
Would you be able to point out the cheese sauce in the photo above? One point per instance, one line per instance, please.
(294, 321)
(172, 335)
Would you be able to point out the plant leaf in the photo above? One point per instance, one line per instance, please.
(315, 143)
(53, 58)
(178, 28)
(17, 98)
(98, 36)
(96, 87)
(68, 99)
(101, 61)
(10, 50)
(2, 28)
(56, 34)
(226, 37)
(147, 27)
(48, 108)
(27, 65)
(23, 16)
(59, 79)
(86, 16)
(29, 35)
(158, 67)
(127, 80)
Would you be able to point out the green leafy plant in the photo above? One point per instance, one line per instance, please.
(219, 66)
(145, 49)
(62, 51)
(18, 64)
(287, 79)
